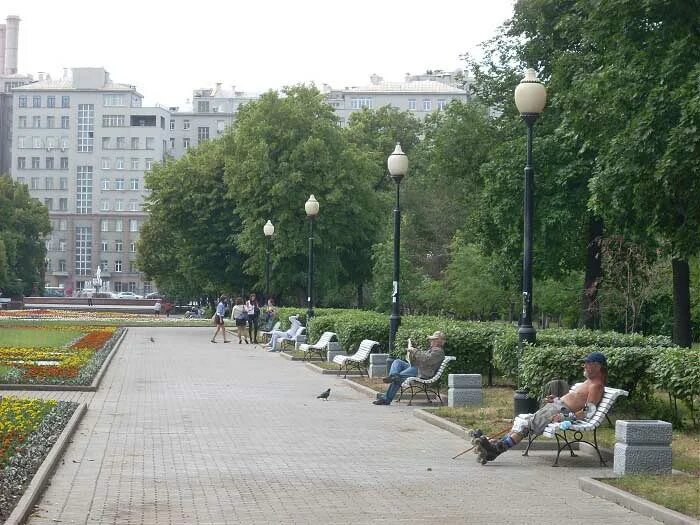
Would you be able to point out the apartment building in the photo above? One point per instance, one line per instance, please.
(420, 95)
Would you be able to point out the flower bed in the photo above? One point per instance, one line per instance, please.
(76, 363)
(28, 430)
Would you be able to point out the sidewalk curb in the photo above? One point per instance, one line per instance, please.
(370, 392)
(325, 371)
(634, 503)
(290, 357)
(92, 387)
(25, 506)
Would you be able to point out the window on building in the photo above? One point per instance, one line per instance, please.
(121, 142)
(36, 101)
(118, 246)
(113, 121)
(185, 124)
(20, 180)
(441, 103)
(134, 184)
(36, 142)
(61, 245)
(202, 133)
(50, 122)
(203, 106)
(22, 121)
(21, 163)
(132, 269)
(118, 266)
(105, 184)
(220, 126)
(83, 250)
(133, 225)
(132, 247)
(172, 124)
(61, 265)
(65, 122)
(51, 101)
(186, 143)
(119, 205)
(36, 163)
(105, 142)
(104, 225)
(49, 164)
(172, 142)
(63, 204)
(36, 122)
(133, 205)
(34, 183)
(118, 225)
(64, 163)
(361, 102)
(149, 164)
(113, 100)
(104, 205)
(105, 246)
(134, 164)
(134, 143)
(119, 184)
(48, 183)
(150, 142)
(63, 183)
(119, 163)
(84, 190)
(65, 101)
(86, 127)
(104, 163)
(62, 225)
(48, 202)
(412, 104)
(427, 104)
(104, 264)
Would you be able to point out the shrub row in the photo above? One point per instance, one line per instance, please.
(630, 368)
(677, 371)
(505, 350)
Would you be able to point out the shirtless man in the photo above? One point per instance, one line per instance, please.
(580, 404)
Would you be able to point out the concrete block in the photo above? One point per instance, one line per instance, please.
(643, 446)
(378, 359)
(459, 397)
(464, 381)
(377, 370)
(635, 459)
(646, 432)
(300, 339)
(333, 346)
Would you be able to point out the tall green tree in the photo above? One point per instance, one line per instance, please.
(187, 245)
(24, 223)
(284, 148)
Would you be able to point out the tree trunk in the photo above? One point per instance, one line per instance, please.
(360, 296)
(590, 309)
(681, 303)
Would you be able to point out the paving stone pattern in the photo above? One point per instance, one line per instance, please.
(183, 431)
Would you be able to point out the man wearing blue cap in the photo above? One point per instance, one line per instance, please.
(580, 404)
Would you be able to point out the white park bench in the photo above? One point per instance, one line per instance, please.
(575, 433)
(319, 347)
(357, 359)
(415, 385)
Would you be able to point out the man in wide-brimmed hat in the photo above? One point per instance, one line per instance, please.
(420, 363)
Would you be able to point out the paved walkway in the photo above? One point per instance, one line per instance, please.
(183, 431)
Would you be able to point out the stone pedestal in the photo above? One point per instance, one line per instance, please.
(300, 339)
(464, 389)
(377, 365)
(642, 447)
(333, 350)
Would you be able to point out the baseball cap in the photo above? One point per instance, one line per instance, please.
(597, 357)
(437, 335)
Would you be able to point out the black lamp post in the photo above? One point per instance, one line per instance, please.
(311, 207)
(268, 230)
(398, 167)
(530, 99)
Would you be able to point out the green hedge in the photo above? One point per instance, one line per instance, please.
(505, 352)
(352, 327)
(677, 371)
(629, 368)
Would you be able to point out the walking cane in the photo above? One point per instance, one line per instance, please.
(472, 447)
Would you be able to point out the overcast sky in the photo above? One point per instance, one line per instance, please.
(167, 49)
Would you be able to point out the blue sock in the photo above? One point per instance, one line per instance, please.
(508, 441)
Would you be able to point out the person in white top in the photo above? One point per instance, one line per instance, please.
(240, 316)
(253, 311)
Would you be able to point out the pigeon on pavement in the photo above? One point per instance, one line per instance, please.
(153, 340)
(324, 395)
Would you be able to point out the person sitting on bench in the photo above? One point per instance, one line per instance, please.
(275, 344)
(579, 404)
(423, 363)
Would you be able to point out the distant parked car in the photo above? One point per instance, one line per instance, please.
(128, 295)
(155, 295)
